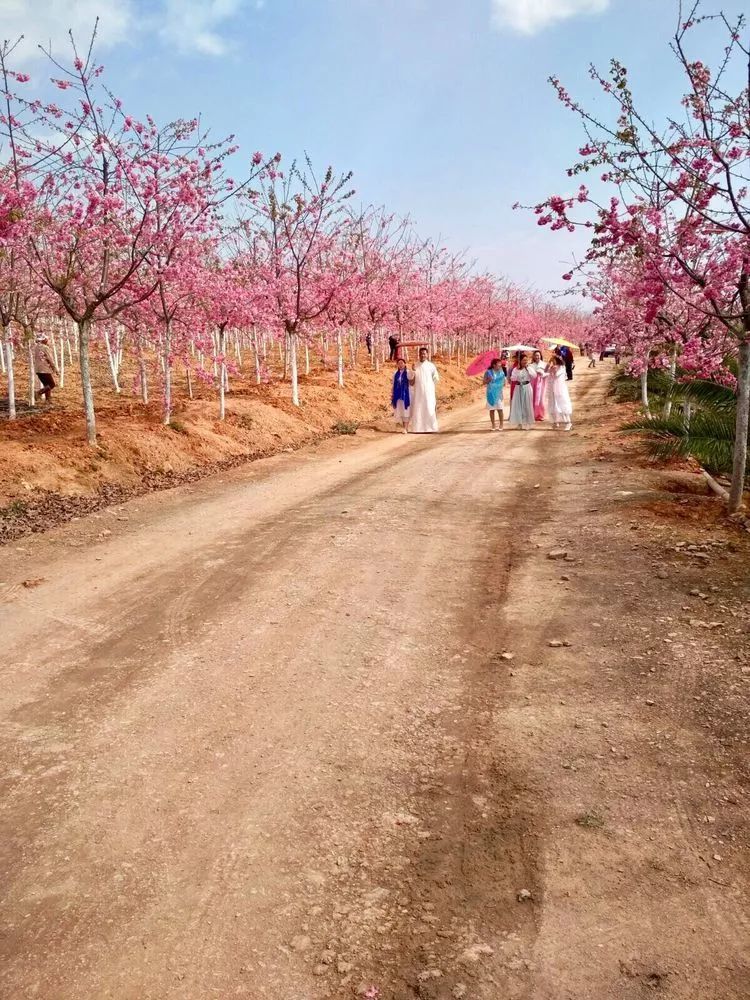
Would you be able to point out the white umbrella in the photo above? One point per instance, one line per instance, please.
(519, 348)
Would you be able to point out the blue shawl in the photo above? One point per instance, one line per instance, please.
(400, 389)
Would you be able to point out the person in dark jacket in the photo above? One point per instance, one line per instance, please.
(567, 355)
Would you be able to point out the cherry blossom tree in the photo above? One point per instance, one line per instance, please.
(680, 212)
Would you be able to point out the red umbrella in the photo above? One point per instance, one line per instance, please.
(482, 362)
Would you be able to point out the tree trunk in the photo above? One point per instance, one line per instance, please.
(221, 343)
(189, 377)
(644, 392)
(84, 360)
(144, 380)
(292, 353)
(741, 428)
(32, 376)
(307, 360)
(340, 358)
(62, 362)
(673, 373)
(167, 363)
(112, 357)
(257, 357)
(53, 341)
(8, 348)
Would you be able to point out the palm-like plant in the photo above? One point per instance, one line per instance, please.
(698, 421)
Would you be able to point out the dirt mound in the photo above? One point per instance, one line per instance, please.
(48, 474)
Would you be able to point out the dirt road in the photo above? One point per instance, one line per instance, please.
(299, 732)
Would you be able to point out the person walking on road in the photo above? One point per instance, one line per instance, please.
(522, 402)
(393, 347)
(494, 381)
(400, 398)
(567, 355)
(592, 357)
(423, 411)
(559, 406)
(45, 367)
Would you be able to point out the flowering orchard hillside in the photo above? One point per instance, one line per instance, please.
(669, 260)
(126, 240)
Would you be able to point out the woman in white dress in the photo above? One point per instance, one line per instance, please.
(559, 406)
(522, 403)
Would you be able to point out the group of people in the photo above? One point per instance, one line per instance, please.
(538, 391)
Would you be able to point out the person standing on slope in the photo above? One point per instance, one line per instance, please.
(423, 411)
(45, 367)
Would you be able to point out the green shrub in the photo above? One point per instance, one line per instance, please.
(345, 427)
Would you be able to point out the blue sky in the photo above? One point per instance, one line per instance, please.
(440, 107)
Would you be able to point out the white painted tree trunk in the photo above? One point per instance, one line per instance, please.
(84, 361)
(307, 359)
(167, 366)
(32, 376)
(644, 392)
(257, 357)
(221, 342)
(189, 377)
(292, 353)
(739, 465)
(61, 363)
(112, 357)
(10, 373)
(340, 358)
(143, 379)
(673, 373)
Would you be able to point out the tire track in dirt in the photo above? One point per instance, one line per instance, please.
(218, 590)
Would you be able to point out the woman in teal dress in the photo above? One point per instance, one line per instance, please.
(494, 381)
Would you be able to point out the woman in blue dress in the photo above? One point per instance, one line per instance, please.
(400, 400)
(494, 381)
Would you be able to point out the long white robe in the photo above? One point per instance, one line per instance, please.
(423, 410)
(559, 406)
(522, 404)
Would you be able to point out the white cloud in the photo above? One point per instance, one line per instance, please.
(530, 16)
(186, 25)
(194, 25)
(46, 22)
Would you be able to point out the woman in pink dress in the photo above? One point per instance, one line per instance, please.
(538, 371)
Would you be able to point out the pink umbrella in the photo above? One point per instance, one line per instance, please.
(482, 362)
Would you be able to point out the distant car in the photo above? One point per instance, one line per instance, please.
(609, 351)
